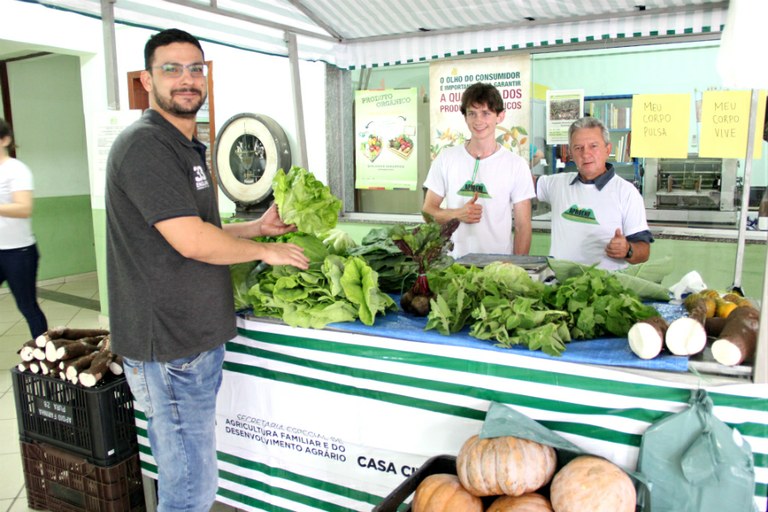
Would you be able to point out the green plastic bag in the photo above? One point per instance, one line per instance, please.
(502, 420)
(696, 463)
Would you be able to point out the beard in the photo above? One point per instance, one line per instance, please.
(173, 107)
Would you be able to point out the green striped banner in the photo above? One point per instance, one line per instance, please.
(443, 384)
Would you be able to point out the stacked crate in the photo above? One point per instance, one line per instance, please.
(78, 445)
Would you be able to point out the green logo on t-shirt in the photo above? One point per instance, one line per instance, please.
(577, 214)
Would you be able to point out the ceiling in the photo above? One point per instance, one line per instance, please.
(364, 33)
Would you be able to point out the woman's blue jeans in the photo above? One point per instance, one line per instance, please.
(179, 400)
(19, 268)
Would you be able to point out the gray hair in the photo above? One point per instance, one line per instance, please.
(589, 122)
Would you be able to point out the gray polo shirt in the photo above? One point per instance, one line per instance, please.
(162, 306)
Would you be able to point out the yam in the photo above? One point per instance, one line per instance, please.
(686, 336)
(646, 337)
(70, 333)
(116, 365)
(714, 326)
(74, 366)
(25, 352)
(738, 338)
(95, 372)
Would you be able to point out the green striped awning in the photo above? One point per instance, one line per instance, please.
(353, 34)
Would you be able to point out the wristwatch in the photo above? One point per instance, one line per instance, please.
(630, 252)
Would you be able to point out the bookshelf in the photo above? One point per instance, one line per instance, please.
(616, 114)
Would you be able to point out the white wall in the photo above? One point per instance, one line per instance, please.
(248, 82)
(243, 81)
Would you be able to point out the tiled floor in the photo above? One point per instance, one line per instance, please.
(71, 301)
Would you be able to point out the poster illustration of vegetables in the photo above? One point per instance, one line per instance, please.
(511, 75)
(385, 139)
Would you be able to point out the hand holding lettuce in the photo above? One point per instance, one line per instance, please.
(304, 201)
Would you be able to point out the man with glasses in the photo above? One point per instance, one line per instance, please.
(481, 183)
(597, 217)
(171, 306)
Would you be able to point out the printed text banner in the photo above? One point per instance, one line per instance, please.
(447, 81)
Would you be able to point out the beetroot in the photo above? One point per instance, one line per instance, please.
(424, 244)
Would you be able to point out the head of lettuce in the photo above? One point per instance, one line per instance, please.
(304, 201)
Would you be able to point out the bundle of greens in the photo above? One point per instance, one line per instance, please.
(501, 302)
(334, 289)
(424, 244)
(396, 271)
(644, 279)
(597, 304)
(304, 201)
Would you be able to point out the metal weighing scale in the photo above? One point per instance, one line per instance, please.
(536, 266)
(247, 154)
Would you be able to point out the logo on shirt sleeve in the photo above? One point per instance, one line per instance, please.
(576, 214)
(201, 180)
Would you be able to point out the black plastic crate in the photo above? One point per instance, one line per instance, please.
(96, 423)
(59, 481)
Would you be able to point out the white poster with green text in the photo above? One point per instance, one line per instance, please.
(386, 155)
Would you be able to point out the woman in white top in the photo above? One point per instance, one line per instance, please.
(18, 250)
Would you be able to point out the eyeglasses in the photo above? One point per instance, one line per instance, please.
(172, 70)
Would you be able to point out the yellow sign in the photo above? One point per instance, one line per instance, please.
(725, 124)
(660, 125)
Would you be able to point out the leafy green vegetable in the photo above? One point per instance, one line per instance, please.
(654, 270)
(630, 278)
(521, 322)
(314, 249)
(425, 244)
(396, 271)
(597, 304)
(239, 274)
(304, 201)
(334, 289)
(360, 285)
(338, 241)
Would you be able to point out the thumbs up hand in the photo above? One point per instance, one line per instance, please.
(618, 246)
(471, 212)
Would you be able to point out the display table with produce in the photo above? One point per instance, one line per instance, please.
(335, 420)
(334, 393)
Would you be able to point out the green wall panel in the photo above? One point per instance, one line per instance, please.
(64, 232)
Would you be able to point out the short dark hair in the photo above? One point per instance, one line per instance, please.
(6, 131)
(482, 94)
(164, 38)
(589, 122)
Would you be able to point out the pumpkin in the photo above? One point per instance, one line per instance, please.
(504, 465)
(526, 503)
(594, 484)
(442, 492)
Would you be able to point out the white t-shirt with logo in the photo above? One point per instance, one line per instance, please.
(14, 232)
(584, 219)
(506, 178)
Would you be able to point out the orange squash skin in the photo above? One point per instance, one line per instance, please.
(594, 484)
(504, 465)
(442, 492)
(532, 502)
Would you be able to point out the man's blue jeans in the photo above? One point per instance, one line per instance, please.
(179, 400)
